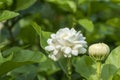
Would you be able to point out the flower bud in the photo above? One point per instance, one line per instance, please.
(99, 51)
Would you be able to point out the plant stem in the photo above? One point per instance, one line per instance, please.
(99, 70)
(69, 69)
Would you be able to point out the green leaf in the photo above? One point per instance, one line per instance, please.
(5, 4)
(1, 5)
(40, 77)
(49, 67)
(112, 64)
(44, 35)
(27, 35)
(113, 22)
(84, 66)
(87, 24)
(23, 4)
(107, 71)
(3, 44)
(116, 75)
(2, 59)
(66, 5)
(20, 57)
(37, 28)
(81, 1)
(114, 56)
(7, 15)
(72, 5)
(28, 72)
(8, 2)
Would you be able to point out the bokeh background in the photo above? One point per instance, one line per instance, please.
(98, 20)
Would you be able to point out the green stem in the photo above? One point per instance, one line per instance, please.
(99, 70)
(69, 69)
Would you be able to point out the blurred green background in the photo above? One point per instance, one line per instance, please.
(98, 20)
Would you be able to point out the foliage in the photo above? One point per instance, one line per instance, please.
(25, 26)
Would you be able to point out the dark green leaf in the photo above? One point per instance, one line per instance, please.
(27, 35)
(49, 67)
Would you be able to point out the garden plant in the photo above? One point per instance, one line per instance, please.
(59, 40)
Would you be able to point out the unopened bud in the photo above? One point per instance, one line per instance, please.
(99, 51)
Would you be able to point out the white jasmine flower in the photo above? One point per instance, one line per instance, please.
(66, 42)
(99, 51)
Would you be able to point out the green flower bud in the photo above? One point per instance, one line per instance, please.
(99, 51)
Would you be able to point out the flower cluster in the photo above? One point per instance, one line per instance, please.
(66, 42)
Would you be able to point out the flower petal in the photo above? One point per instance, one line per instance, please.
(49, 48)
(49, 41)
(82, 50)
(67, 50)
(75, 52)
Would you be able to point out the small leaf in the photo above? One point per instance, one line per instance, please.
(44, 35)
(37, 28)
(23, 4)
(113, 22)
(7, 15)
(2, 59)
(66, 5)
(87, 24)
(3, 44)
(72, 5)
(81, 1)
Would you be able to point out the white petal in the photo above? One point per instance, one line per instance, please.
(61, 42)
(53, 57)
(77, 46)
(55, 52)
(58, 47)
(49, 48)
(67, 50)
(49, 41)
(73, 30)
(65, 55)
(69, 55)
(82, 50)
(75, 52)
(80, 42)
(78, 34)
(53, 36)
